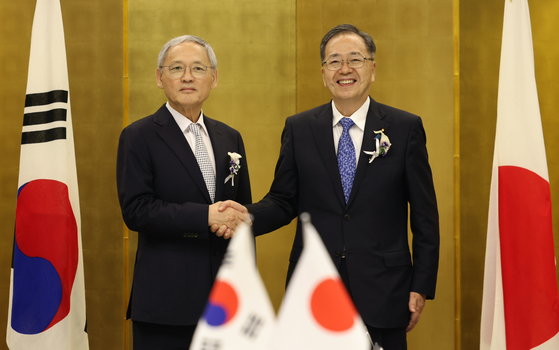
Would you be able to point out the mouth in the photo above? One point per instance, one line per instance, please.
(187, 89)
(347, 82)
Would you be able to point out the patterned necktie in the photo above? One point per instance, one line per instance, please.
(203, 159)
(346, 157)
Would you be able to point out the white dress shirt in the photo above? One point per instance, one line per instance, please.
(356, 131)
(184, 124)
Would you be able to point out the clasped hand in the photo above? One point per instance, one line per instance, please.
(224, 217)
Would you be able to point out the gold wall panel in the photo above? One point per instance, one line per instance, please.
(481, 25)
(414, 72)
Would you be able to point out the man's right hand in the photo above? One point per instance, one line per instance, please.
(224, 217)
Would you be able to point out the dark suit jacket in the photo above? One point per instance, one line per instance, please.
(373, 226)
(164, 198)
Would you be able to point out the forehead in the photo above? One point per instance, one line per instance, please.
(345, 44)
(187, 52)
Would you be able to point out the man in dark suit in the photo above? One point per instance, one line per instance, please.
(359, 201)
(173, 168)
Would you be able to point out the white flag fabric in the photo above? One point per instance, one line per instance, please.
(47, 295)
(317, 311)
(239, 314)
(520, 309)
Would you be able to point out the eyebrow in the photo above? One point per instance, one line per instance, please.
(335, 55)
(182, 62)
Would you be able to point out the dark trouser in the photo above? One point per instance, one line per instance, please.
(152, 336)
(387, 338)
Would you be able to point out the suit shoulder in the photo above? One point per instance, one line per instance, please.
(221, 125)
(161, 116)
(311, 113)
(398, 113)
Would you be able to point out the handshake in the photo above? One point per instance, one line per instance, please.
(224, 217)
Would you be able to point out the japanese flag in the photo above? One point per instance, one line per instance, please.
(317, 311)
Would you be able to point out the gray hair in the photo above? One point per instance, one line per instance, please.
(344, 29)
(187, 38)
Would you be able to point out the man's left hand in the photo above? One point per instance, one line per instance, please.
(417, 303)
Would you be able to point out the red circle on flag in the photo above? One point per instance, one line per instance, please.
(332, 307)
(223, 301)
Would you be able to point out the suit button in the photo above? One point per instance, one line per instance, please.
(214, 253)
(347, 217)
(337, 253)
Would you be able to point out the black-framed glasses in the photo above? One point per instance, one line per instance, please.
(354, 61)
(177, 70)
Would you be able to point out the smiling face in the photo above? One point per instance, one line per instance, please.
(349, 86)
(186, 94)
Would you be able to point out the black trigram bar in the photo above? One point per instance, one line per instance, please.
(45, 98)
(43, 135)
(54, 115)
(252, 326)
(211, 344)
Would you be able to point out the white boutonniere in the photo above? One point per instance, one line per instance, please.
(234, 166)
(382, 146)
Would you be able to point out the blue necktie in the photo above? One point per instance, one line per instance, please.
(346, 157)
(203, 159)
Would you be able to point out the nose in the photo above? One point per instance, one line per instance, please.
(187, 75)
(345, 67)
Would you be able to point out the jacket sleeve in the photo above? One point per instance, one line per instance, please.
(279, 207)
(424, 217)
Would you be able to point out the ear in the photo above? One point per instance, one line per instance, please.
(158, 77)
(373, 72)
(214, 79)
(323, 77)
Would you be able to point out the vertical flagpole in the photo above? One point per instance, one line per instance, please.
(126, 232)
(47, 293)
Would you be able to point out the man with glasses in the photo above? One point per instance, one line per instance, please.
(172, 171)
(356, 166)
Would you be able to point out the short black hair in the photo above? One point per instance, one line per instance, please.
(347, 28)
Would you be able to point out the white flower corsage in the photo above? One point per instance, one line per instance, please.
(383, 145)
(234, 166)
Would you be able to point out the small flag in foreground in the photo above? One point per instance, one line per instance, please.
(520, 308)
(47, 295)
(317, 311)
(239, 314)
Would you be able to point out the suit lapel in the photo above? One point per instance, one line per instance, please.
(323, 135)
(374, 123)
(170, 132)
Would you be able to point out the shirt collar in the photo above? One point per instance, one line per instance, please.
(183, 121)
(359, 117)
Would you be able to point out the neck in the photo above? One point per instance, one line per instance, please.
(191, 112)
(347, 108)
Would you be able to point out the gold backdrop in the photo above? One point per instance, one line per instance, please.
(269, 68)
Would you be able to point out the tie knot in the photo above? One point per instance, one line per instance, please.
(346, 123)
(195, 128)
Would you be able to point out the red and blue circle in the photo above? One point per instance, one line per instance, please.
(45, 256)
(222, 304)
